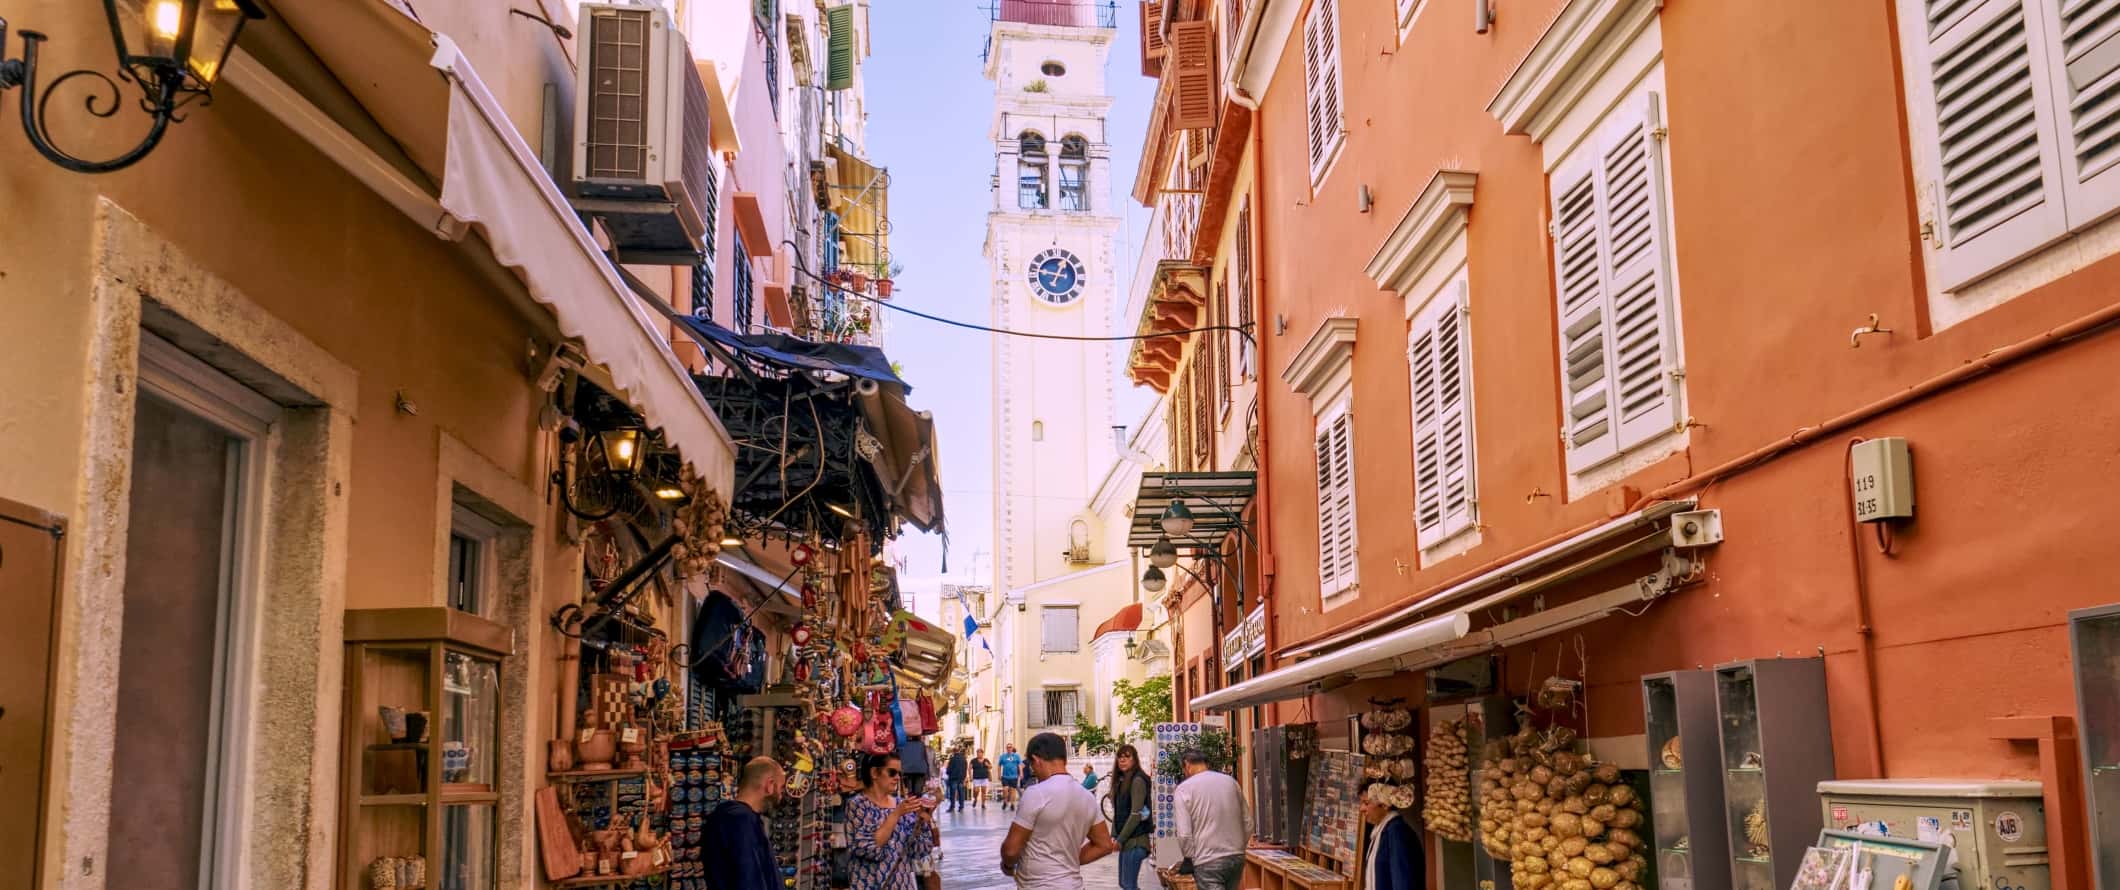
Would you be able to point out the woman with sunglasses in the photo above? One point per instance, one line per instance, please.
(889, 835)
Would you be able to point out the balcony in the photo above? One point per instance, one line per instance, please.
(1177, 224)
(1063, 13)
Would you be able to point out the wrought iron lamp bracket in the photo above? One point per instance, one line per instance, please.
(165, 90)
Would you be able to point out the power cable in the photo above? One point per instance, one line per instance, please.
(1186, 332)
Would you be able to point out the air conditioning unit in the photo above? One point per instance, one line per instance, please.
(642, 161)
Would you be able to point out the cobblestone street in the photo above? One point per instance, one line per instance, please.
(971, 853)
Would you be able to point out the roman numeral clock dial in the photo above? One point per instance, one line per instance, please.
(1056, 277)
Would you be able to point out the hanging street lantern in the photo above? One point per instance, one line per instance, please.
(173, 50)
(621, 450)
(1177, 519)
(1153, 580)
(1163, 554)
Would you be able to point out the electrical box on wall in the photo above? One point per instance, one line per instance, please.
(1882, 479)
(1996, 828)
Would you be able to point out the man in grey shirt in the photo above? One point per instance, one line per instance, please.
(1213, 827)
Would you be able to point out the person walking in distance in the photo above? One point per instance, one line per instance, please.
(1056, 830)
(1132, 828)
(1395, 861)
(982, 776)
(889, 834)
(1089, 778)
(736, 829)
(955, 774)
(1212, 824)
(1011, 764)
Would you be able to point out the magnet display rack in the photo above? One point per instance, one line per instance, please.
(1686, 788)
(1776, 744)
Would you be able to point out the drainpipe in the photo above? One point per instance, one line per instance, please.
(1263, 496)
(1865, 634)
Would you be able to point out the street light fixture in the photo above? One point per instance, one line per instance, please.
(621, 450)
(1177, 519)
(1163, 554)
(173, 50)
(1153, 580)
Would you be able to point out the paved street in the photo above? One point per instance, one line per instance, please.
(971, 853)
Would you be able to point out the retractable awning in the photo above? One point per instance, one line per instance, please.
(443, 121)
(1408, 641)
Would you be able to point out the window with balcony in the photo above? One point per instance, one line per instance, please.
(1031, 190)
(2012, 113)
(1074, 174)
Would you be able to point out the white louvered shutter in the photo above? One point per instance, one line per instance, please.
(1034, 708)
(1427, 436)
(1637, 245)
(1453, 359)
(1997, 156)
(2085, 59)
(1328, 547)
(1343, 515)
(1587, 429)
(1321, 80)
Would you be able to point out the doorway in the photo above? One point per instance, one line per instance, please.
(200, 447)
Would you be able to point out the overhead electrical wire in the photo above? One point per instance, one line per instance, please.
(1243, 330)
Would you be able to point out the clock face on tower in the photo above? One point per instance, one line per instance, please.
(1056, 277)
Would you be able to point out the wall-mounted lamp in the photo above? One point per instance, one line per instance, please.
(1482, 15)
(621, 449)
(1163, 554)
(1177, 519)
(173, 49)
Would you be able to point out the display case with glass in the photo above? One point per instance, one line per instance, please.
(2094, 637)
(1776, 745)
(1487, 719)
(1685, 787)
(420, 747)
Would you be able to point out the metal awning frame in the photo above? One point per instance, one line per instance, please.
(1218, 501)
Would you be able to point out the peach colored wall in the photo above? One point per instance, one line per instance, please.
(1793, 222)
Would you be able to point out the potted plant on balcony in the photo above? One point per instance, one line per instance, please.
(887, 281)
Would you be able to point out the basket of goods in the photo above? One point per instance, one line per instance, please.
(1563, 820)
(1447, 810)
(1174, 881)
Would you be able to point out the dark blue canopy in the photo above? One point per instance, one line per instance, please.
(797, 354)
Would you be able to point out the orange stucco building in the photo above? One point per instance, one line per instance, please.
(1666, 256)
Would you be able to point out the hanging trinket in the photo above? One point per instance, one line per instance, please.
(801, 554)
(801, 634)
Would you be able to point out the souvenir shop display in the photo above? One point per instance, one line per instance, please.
(419, 748)
(1691, 842)
(1446, 807)
(1280, 775)
(1560, 818)
(1334, 827)
(1776, 744)
(1390, 767)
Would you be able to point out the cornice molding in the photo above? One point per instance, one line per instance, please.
(1438, 215)
(1329, 350)
(1580, 45)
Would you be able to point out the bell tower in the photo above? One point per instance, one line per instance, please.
(1051, 249)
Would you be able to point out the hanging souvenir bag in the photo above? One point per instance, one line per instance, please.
(846, 721)
(880, 740)
(927, 713)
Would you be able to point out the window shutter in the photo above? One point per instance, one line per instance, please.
(1152, 48)
(1453, 342)
(1223, 397)
(1427, 438)
(1070, 707)
(1321, 81)
(2000, 192)
(1328, 528)
(1244, 304)
(1192, 50)
(1406, 10)
(1343, 513)
(839, 50)
(1641, 347)
(1578, 268)
(1034, 708)
(2087, 76)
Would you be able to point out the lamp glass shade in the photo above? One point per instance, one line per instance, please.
(1177, 520)
(621, 449)
(1153, 580)
(213, 37)
(192, 36)
(1163, 554)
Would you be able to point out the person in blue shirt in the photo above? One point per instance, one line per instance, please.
(1011, 764)
(736, 831)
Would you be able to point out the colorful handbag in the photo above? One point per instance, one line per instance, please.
(927, 713)
(846, 721)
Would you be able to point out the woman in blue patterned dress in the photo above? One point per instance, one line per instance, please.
(889, 835)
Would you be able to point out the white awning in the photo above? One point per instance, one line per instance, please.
(450, 128)
(780, 598)
(1377, 649)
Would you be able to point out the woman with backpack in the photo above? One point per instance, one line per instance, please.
(1132, 829)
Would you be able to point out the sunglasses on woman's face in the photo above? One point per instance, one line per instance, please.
(891, 772)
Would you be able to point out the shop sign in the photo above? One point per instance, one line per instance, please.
(1245, 640)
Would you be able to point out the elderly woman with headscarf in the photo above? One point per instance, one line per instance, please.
(1395, 861)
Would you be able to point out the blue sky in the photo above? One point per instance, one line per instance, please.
(929, 110)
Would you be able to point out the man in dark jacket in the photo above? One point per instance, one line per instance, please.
(736, 831)
(956, 774)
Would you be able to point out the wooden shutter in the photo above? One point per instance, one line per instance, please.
(1192, 51)
(2084, 36)
(839, 48)
(1152, 48)
(1999, 196)
(1321, 81)
(1406, 10)
(1244, 305)
(1328, 529)
(1643, 351)
(1034, 708)
(1220, 318)
(1579, 284)
(1202, 391)
(1058, 629)
(1343, 513)
(1439, 359)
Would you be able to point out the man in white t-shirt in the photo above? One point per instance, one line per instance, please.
(1056, 831)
